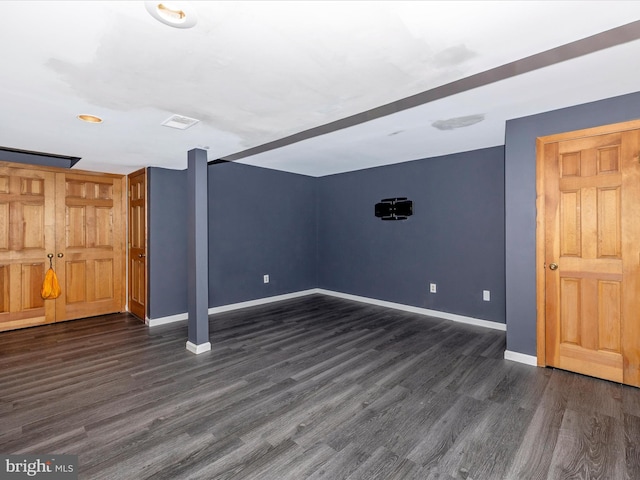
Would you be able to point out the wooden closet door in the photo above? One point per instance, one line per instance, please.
(90, 224)
(27, 206)
(592, 196)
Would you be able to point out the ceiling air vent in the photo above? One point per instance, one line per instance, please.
(458, 122)
(179, 122)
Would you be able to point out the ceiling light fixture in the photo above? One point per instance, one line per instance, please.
(174, 14)
(89, 118)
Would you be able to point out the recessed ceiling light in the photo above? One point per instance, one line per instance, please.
(174, 14)
(89, 118)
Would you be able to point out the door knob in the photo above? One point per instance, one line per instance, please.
(141, 255)
(553, 266)
(60, 255)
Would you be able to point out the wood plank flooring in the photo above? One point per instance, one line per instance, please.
(310, 388)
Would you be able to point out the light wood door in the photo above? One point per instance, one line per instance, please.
(90, 225)
(27, 201)
(76, 217)
(592, 255)
(138, 243)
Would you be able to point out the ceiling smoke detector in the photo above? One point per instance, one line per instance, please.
(180, 122)
(174, 14)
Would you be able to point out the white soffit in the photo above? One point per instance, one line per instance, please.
(409, 135)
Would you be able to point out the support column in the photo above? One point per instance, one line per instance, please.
(197, 253)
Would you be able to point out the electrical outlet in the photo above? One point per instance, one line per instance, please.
(433, 288)
(265, 278)
(486, 295)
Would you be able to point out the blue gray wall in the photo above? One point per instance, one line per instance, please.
(166, 242)
(260, 222)
(520, 194)
(455, 237)
(321, 232)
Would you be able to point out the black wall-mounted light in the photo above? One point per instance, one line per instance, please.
(394, 208)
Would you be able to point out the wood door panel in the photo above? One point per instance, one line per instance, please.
(609, 222)
(608, 160)
(31, 280)
(76, 216)
(91, 245)
(570, 164)
(75, 222)
(4, 288)
(570, 307)
(591, 306)
(586, 145)
(27, 223)
(31, 216)
(137, 272)
(570, 224)
(5, 220)
(577, 183)
(588, 230)
(75, 282)
(104, 279)
(102, 235)
(601, 364)
(609, 315)
(630, 203)
(137, 244)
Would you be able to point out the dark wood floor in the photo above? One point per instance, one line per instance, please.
(316, 387)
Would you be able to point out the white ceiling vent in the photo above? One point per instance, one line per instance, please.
(179, 122)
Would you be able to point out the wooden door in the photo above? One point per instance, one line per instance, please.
(592, 254)
(27, 202)
(90, 222)
(138, 243)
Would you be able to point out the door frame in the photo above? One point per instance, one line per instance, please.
(541, 142)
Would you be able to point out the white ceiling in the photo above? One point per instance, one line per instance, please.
(258, 72)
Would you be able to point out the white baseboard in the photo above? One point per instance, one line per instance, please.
(260, 301)
(154, 322)
(198, 349)
(227, 308)
(398, 306)
(521, 358)
(422, 311)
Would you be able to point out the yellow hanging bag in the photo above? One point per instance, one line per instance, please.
(50, 286)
